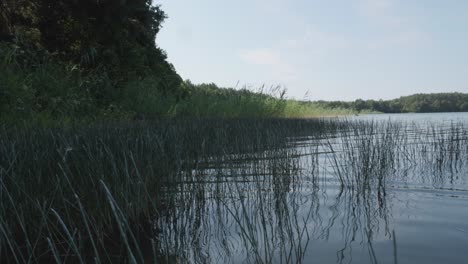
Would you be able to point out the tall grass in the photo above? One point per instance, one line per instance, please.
(170, 190)
(38, 88)
(91, 194)
(369, 152)
(209, 100)
(294, 108)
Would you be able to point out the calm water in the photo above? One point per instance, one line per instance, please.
(396, 193)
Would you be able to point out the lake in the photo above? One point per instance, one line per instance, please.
(382, 189)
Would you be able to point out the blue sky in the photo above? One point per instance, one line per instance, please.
(321, 49)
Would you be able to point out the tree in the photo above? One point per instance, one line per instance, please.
(117, 34)
(113, 37)
(359, 105)
(5, 27)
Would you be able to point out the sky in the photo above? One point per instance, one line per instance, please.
(321, 49)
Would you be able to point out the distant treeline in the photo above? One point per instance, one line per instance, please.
(417, 103)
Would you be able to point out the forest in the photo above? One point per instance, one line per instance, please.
(417, 103)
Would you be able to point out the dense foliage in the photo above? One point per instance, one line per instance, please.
(70, 56)
(117, 35)
(417, 103)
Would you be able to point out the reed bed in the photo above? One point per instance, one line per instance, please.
(91, 194)
(368, 154)
(209, 190)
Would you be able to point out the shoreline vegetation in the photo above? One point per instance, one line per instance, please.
(47, 91)
(69, 62)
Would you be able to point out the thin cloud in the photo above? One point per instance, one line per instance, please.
(316, 41)
(261, 57)
(271, 60)
(382, 12)
(407, 39)
(396, 30)
(376, 7)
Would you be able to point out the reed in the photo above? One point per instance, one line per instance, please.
(82, 193)
(207, 190)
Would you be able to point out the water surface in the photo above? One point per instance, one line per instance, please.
(384, 189)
